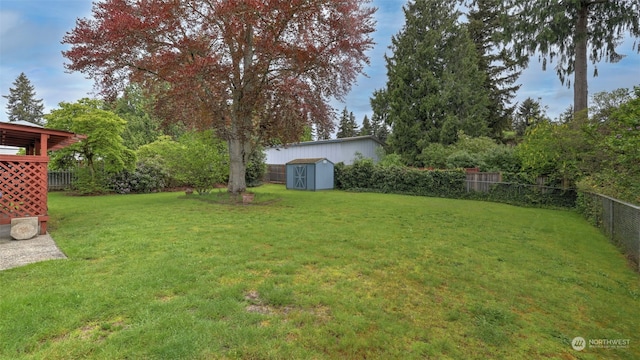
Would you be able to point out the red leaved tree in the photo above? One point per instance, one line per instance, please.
(256, 71)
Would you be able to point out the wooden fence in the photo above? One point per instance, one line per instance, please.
(482, 181)
(60, 180)
(276, 174)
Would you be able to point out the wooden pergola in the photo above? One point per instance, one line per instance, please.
(23, 178)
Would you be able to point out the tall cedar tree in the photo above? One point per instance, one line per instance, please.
(21, 102)
(501, 67)
(347, 126)
(571, 32)
(434, 87)
(253, 70)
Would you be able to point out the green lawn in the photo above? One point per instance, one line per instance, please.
(324, 275)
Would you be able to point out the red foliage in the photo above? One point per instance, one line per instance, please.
(251, 69)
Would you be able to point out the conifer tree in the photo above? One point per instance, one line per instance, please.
(572, 33)
(22, 103)
(380, 107)
(501, 67)
(434, 87)
(347, 127)
(366, 127)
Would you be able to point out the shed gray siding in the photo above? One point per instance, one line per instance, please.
(336, 150)
(310, 174)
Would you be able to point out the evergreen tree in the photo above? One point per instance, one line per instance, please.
(501, 67)
(380, 107)
(323, 133)
(571, 33)
(21, 102)
(434, 86)
(142, 127)
(366, 127)
(347, 127)
(529, 113)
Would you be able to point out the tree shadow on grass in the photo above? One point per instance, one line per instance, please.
(223, 197)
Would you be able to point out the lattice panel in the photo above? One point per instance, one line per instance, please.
(24, 189)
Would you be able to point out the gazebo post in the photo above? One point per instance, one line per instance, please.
(43, 146)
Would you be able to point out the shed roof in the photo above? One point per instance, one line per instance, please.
(308, 161)
(22, 135)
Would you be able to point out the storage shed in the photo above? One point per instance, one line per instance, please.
(310, 174)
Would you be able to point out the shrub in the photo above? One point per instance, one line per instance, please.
(435, 156)
(463, 159)
(88, 183)
(198, 160)
(363, 175)
(502, 158)
(146, 178)
(256, 168)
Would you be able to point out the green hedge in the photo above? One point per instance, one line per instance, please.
(363, 175)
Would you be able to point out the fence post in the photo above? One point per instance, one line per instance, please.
(611, 232)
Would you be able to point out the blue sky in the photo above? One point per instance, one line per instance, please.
(31, 31)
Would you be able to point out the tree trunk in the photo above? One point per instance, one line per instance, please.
(241, 119)
(239, 152)
(580, 92)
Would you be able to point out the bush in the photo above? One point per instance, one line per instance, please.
(435, 156)
(198, 160)
(463, 159)
(256, 168)
(363, 175)
(503, 159)
(90, 184)
(146, 178)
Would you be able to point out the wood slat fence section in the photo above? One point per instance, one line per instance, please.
(481, 181)
(276, 174)
(61, 180)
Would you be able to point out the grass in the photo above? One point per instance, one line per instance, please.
(317, 275)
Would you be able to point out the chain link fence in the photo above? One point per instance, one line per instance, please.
(619, 221)
(521, 194)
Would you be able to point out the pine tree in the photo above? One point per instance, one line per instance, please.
(572, 33)
(434, 87)
(366, 127)
(501, 67)
(323, 133)
(21, 102)
(529, 113)
(347, 126)
(380, 107)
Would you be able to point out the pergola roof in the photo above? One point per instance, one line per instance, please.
(12, 134)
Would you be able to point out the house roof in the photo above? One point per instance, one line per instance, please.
(22, 135)
(329, 141)
(308, 161)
